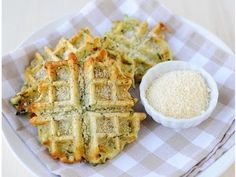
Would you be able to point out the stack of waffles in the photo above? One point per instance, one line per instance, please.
(77, 94)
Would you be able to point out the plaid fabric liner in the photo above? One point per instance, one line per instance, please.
(159, 151)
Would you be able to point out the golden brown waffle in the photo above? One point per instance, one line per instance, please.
(82, 44)
(78, 93)
(143, 49)
(65, 125)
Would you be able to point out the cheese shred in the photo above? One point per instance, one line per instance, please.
(179, 94)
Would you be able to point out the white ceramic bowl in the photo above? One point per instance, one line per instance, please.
(171, 122)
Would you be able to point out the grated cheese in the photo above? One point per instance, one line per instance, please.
(179, 94)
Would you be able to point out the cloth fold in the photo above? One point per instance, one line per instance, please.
(159, 151)
(226, 143)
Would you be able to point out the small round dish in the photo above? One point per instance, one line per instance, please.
(172, 122)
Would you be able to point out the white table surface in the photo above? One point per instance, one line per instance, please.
(22, 17)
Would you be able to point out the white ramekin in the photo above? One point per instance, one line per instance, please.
(171, 122)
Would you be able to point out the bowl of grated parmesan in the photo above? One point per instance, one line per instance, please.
(178, 94)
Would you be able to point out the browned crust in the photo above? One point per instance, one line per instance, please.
(37, 121)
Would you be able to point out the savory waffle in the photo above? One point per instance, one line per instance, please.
(72, 128)
(78, 93)
(141, 48)
(82, 44)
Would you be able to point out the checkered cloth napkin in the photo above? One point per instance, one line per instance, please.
(159, 151)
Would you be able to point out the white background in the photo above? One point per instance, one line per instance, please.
(22, 17)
